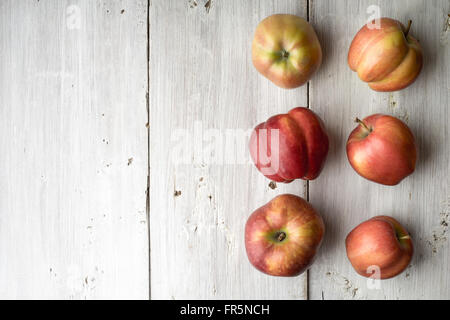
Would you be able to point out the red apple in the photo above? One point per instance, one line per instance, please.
(387, 57)
(382, 149)
(286, 50)
(283, 236)
(379, 244)
(290, 146)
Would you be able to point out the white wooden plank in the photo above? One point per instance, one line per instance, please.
(72, 114)
(421, 201)
(201, 75)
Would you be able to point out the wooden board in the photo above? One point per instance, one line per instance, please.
(73, 82)
(421, 202)
(202, 78)
(73, 113)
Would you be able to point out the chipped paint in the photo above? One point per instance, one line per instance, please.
(208, 5)
(192, 4)
(344, 284)
(443, 39)
(439, 235)
(396, 110)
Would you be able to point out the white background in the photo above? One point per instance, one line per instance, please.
(80, 80)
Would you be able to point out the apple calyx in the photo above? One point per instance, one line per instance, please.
(407, 28)
(284, 54)
(280, 236)
(357, 120)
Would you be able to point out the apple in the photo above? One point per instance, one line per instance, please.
(286, 50)
(387, 57)
(382, 149)
(379, 247)
(283, 236)
(290, 146)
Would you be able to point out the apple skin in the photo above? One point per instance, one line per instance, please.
(303, 229)
(380, 241)
(385, 152)
(286, 50)
(302, 146)
(386, 58)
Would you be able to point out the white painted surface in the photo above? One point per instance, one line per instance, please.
(421, 202)
(73, 83)
(74, 166)
(201, 72)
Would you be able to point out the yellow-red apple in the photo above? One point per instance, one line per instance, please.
(286, 50)
(379, 247)
(283, 236)
(386, 56)
(290, 146)
(382, 149)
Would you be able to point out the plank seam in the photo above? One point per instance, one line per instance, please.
(307, 182)
(147, 97)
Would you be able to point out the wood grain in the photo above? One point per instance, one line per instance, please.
(421, 202)
(202, 78)
(73, 85)
(73, 169)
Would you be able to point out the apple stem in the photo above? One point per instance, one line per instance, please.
(357, 120)
(405, 237)
(407, 28)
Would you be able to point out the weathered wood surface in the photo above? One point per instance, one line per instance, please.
(73, 169)
(422, 201)
(73, 84)
(201, 75)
